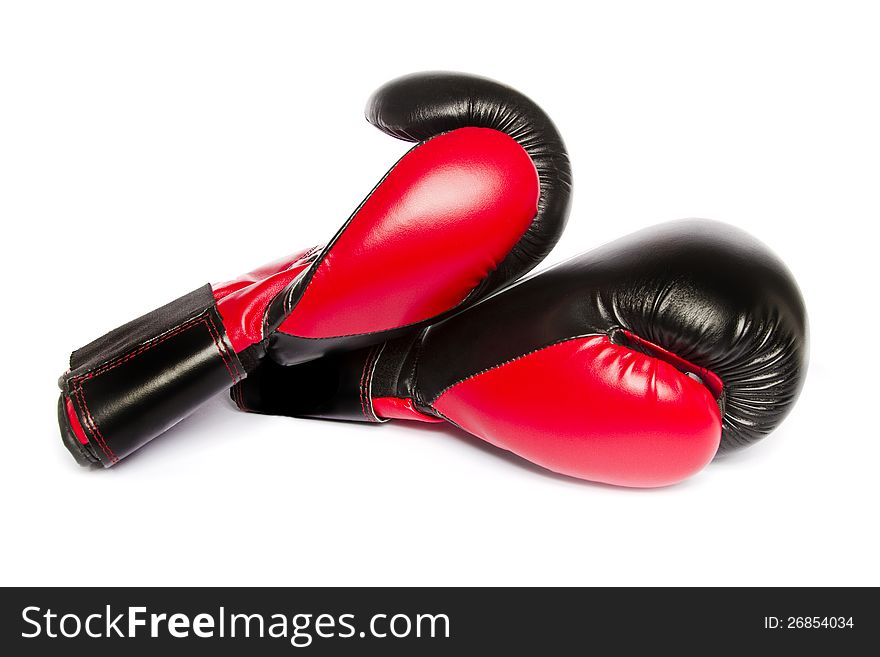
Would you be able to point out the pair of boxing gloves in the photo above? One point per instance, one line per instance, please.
(634, 364)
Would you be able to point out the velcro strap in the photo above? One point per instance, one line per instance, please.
(140, 379)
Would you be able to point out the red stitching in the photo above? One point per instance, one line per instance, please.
(111, 364)
(92, 426)
(77, 382)
(238, 376)
(230, 352)
(222, 350)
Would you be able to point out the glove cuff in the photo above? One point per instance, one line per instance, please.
(335, 387)
(127, 387)
(366, 385)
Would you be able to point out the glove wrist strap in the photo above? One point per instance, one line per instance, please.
(127, 387)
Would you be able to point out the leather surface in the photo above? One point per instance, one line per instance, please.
(343, 385)
(73, 421)
(395, 408)
(129, 388)
(242, 302)
(703, 290)
(438, 224)
(435, 108)
(709, 379)
(631, 364)
(478, 201)
(594, 410)
(414, 107)
(333, 387)
(81, 451)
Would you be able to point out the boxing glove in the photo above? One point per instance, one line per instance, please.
(633, 364)
(480, 200)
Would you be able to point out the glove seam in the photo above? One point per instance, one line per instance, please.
(507, 362)
(76, 382)
(90, 424)
(288, 305)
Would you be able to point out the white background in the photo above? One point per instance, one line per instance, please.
(146, 148)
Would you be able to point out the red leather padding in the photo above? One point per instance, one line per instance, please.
(242, 302)
(592, 409)
(73, 421)
(394, 408)
(440, 222)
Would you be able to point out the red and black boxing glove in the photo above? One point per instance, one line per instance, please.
(633, 364)
(480, 200)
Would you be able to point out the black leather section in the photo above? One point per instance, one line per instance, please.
(394, 373)
(333, 388)
(293, 350)
(137, 331)
(703, 290)
(252, 356)
(337, 387)
(417, 108)
(140, 379)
